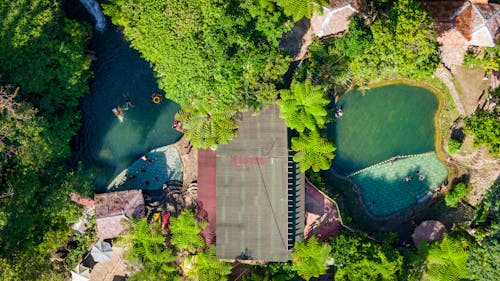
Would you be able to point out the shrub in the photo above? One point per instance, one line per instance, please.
(452, 198)
(454, 146)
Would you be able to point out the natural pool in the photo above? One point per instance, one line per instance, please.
(106, 145)
(381, 123)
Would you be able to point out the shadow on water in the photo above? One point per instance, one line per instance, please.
(105, 144)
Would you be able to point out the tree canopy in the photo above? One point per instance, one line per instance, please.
(185, 232)
(303, 106)
(42, 55)
(485, 127)
(208, 55)
(310, 258)
(312, 151)
(447, 259)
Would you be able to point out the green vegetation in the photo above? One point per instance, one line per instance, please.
(454, 146)
(458, 193)
(487, 58)
(205, 266)
(447, 259)
(484, 126)
(381, 50)
(210, 56)
(148, 247)
(303, 106)
(357, 258)
(312, 151)
(42, 53)
(310, 258)
(298, 9)
(145, 245)
(185, 232)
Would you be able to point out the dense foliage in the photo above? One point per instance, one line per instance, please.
(487, 58)
(447, 259)
(148, 247)
(454, 196)
(303, 106)
(299, 9)
(485, 126)
(310, 258)
(454, 146)
(205, 266)
(145, 245)
(357, 258)
(185, 230)
(399, 43)
(42, 53)
(483, 263)
(210, 56)
(312, 151)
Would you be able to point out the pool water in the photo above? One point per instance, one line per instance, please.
(383, 122)
(106, 145)
(393, 121)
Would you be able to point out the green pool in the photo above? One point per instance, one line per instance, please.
(393, 121)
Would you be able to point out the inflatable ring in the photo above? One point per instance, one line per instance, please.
(156, 99)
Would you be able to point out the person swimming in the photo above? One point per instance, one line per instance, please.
(118, 111)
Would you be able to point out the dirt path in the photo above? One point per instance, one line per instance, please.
(445, 76)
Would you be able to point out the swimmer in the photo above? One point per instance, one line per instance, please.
(118, 113)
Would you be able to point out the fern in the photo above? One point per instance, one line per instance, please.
(185, 232)
(303, 106)
(146, 246)
(310, 257)
(312, 151)
(447, 260)
(207, 125)
(205, 266)
(297, 9)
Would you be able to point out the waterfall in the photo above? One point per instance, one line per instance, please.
(93, 7)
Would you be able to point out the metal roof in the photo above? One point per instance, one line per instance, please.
(257, 216)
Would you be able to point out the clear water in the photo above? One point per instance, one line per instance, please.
(383, 122)
(106, 145)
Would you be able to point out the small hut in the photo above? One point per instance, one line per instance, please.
(428, 231)
(112, 207)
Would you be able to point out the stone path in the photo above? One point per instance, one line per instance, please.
(445, 76)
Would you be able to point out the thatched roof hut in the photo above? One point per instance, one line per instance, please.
(428, 231)
(112, 207)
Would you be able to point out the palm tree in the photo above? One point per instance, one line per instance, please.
(447, 260)
(145, 245)
(185, 231)
(303, 106)
(298, 9)
(208, 125)
(312, 151)
(310, 258)
(205, 266)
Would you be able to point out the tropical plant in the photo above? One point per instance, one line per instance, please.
(207, 53)
(312, 151)
(310, 258)
(185, 232)
(207, 126)
(303, 106)
(146, 245)
(482, 264)
(485, 127)
(487, 58)
(357, 258)
(298, 9)
(446, 260)
(454, 146)
(204, 266)
(454, 196)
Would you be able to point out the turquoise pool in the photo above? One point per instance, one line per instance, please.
(381, 123)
